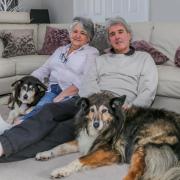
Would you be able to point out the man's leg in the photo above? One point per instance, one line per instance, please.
(36, 128)
(63, 132)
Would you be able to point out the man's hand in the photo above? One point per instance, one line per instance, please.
(125, 107)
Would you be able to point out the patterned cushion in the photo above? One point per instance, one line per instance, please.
(99, 40)
(159, 58)
(177, 57)
(54, 38)
(17, 42)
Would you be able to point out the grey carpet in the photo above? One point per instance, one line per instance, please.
(31, 169)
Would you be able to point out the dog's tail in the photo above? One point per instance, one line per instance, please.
(161, 164)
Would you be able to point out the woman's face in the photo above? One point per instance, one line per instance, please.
(78, 37)
(119, 38)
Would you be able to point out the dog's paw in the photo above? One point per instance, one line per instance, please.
(60, 173)
(43, 156)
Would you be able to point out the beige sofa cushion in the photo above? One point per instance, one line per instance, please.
(169, 81)
(7, 68)
(42, 32)
(14, 17)
(166, 38)
(26, 64)
(22, 26)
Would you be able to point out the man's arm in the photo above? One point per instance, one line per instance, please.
(147, 86)
(90, 81)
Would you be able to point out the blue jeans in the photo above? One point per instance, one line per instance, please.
(47, 98)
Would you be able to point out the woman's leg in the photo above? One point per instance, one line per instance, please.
(47, 98)
(36, 128)
(63, 132)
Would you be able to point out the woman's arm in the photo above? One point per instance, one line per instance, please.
(45, 69)
(70, 91)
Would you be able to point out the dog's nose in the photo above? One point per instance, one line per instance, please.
(25, 96)
(96, 124)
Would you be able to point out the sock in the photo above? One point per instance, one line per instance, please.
(1, 150)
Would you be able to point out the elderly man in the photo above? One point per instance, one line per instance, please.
(121, 71)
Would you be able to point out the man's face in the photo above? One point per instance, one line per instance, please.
(119, 38)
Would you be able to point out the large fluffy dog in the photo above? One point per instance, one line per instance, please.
(26, 93)
(148, 139)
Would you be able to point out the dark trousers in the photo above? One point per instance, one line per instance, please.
(53, 125)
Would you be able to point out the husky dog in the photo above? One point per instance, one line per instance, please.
(26, 93)
(146, 138)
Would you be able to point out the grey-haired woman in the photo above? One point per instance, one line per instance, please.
(65, 69)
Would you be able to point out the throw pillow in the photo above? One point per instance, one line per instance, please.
(17, 42)
(159, 58)
(177, 57)
(54, 38)
(99, 40)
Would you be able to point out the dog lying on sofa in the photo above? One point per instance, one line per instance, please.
(26, 93)
(146, 138)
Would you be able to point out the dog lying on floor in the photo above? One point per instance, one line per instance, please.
(146, 138)
(26, 93)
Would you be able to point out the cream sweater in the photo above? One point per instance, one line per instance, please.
(134, 76)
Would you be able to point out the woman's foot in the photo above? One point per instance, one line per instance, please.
(4, 125)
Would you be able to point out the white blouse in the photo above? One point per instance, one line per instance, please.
(67, 70)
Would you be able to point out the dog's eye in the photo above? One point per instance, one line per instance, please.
(92, 110)
(104, 110)
(24, 87)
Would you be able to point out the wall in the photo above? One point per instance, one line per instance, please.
(59, 10)
(165, 10)
(31, 4)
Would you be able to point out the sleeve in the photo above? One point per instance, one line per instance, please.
(147, 85)
(90, 81)
(45, 69)
(90, 58)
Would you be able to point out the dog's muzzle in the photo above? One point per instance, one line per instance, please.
(96, 124)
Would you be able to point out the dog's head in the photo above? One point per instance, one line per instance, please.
(27, 90)
(100, 112)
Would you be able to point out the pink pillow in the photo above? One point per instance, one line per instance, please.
(159, 58)
(54, 38)
(177, 57)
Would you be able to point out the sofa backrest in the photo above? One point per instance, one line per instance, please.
(166, 38)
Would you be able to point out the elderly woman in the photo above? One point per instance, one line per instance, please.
(65, 69)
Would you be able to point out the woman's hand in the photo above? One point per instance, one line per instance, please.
(58, 98)
(70, 91)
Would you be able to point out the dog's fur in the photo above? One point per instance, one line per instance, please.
(146, 138)
(26, 92)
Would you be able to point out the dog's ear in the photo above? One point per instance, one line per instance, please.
(83, 103)
(16, 86)
(16, 83)
(117, 102)
(41, 86)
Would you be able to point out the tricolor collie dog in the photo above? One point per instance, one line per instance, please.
(26, 93)
(147, 139)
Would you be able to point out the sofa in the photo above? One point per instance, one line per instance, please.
(162, 36)
(165, 37)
